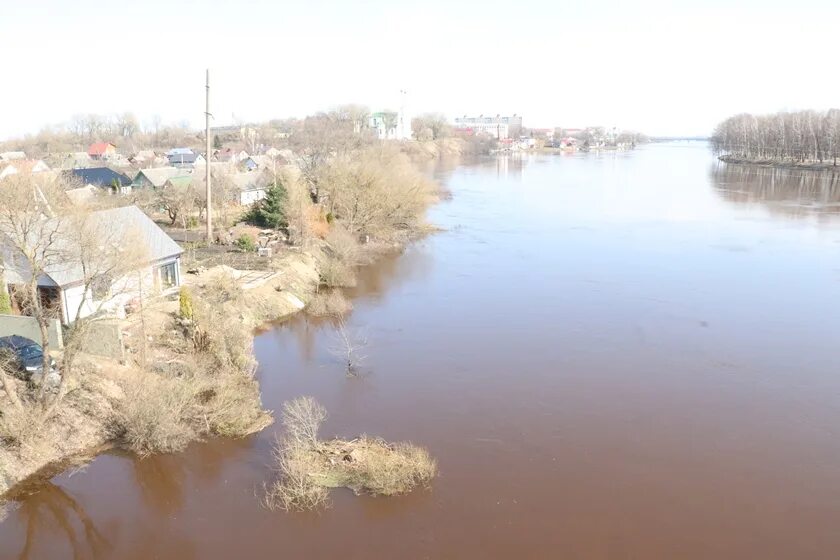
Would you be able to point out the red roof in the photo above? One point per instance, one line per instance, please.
(100, 148)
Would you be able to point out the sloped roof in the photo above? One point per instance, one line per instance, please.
(179, 181)
(99, 148)
(249, 181)
(182, 158)
(158, 176)
(128, 222)
(99, 176)
(179, 151)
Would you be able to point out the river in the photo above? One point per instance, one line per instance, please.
(611, 356)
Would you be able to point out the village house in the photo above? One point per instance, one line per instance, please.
(101, 178)
(147, 158)
(68, 160)
(251, 187)
(102, 150)
(184, 158)
(154, 178)
(62, 286)
(22, 166)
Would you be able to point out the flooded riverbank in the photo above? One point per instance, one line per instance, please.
(619, 355)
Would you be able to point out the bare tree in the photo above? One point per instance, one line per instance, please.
(348, 347)
(106, 254)
(794, 137)
(31, 219)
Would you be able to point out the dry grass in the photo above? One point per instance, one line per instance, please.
(307, 467)
(329, 303)
(19, 426)
(373, 466)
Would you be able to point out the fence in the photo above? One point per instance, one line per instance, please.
(28, 327)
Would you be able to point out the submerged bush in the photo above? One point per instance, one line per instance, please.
(307, 467)
(329, 302)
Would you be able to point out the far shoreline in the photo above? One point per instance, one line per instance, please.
(808, 165)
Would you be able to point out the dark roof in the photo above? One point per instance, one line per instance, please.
(182, 158)
(99, 176)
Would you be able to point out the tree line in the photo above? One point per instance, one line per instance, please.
(796, 137)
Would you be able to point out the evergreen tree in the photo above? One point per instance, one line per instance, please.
(271, 211)
(217, 143)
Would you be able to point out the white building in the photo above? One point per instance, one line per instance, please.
(393, 125)
(498, 127)
(63, 284)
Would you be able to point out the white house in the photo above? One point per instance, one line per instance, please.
(63, 284)
(252, 187)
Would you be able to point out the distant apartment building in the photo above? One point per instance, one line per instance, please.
(499, 127)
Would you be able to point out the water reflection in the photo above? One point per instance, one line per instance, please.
(793, 192)
(52, 513)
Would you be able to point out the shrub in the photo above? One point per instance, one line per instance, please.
(154, 417)
(246, 244)
(185, 303)
(306, 467)
(295, 488)
(302, 417)
(329, 302)
(5, 303)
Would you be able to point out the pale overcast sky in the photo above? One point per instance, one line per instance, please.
(652, 65)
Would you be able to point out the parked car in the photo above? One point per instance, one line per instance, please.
(23, 354)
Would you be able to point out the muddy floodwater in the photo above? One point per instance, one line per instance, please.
(612, 356)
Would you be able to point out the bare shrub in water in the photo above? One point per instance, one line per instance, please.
(295, 488)
(347, 348)
(329, 303)
(306, 467)
(302, 417)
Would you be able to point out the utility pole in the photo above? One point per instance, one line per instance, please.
(207, 160)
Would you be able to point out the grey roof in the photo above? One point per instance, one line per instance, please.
(158, 176)
(179, 151)
(129, 223)
(249, 181)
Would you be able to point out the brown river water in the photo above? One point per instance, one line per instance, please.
(611, 356)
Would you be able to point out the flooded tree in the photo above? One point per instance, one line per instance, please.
(794, 137)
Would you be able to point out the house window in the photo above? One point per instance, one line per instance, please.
(168, 275)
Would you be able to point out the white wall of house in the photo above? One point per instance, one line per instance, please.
(250, 197)
(148, 282)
